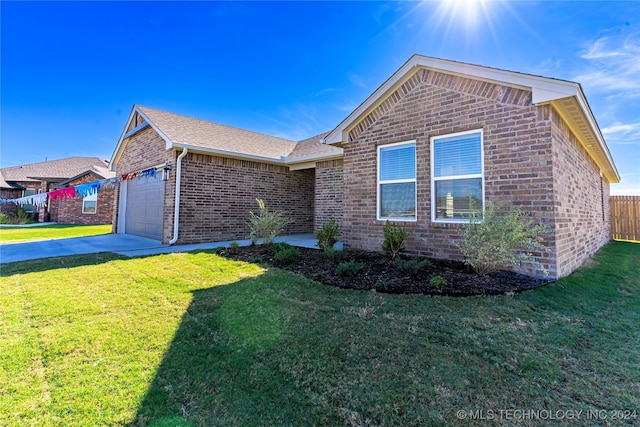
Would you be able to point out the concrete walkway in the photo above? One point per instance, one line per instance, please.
(123, 244)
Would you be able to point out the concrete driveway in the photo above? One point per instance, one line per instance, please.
(123, 244)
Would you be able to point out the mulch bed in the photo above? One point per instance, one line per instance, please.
(381, 274)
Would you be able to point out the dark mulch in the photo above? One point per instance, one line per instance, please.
(381, 274)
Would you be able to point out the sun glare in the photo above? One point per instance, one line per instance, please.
(468, 11)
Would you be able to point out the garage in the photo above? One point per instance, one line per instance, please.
(144, 203)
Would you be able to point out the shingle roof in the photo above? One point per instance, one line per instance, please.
(98, 172)
(312, 146)
(5, 184)
(201, 133)
(60, 169)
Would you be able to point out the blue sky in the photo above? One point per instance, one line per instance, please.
(71, 71)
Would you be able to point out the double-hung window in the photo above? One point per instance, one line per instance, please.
(397, 182)
(457, 179)
(89, 204)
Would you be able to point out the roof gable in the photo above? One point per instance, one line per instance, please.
(567, 97)
(198, 135)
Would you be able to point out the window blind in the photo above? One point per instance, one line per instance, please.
(398, 162)
(457, 155)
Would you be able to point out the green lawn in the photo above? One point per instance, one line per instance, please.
(197, 340)
(49, 232)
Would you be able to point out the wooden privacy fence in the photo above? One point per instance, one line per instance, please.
(625, 217)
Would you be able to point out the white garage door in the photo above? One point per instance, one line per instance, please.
(145, 200)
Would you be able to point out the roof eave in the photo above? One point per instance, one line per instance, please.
(229, 154)
(124, 135)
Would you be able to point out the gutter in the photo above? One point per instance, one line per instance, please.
(176, 208)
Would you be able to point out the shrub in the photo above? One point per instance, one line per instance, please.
(394, 238)
(286, 254)
(233, 247)
(382, 285)
(266, 225)
(349, 269)
(438, 281)
(279, 246)
(333, 253)
(328, 235)
(412, 266)
(501, 240)
(4, 218)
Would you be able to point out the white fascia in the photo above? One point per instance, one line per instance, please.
(543, 89)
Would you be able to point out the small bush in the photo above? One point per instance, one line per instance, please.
(333, 253)
(349, 269)
(287, 255)
(501, 240)
(233, 247)
(328, 235)
(394, 237)
(438, 282)
(412, 266)
(4, 218)
(266, 225)
(382, 285)
(280, 246)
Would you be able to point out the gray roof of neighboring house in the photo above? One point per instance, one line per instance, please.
(99, 172)
(53, 170)
(181, 130)
(5, 184)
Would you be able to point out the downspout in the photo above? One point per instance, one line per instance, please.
(176, 208)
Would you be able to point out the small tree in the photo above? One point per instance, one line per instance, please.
(501, 239)
(328, 235)
(394, 238)
(266, 225)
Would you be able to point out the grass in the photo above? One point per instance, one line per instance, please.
(49, 232)
(194, 339)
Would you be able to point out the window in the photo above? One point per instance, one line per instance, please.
(89, 204)
(397, 182)
(457, 179)
(25, 193)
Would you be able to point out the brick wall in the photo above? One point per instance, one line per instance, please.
(69, 211)
(217, 194)
(581, 198)
(517, 145)
(9, 208)
(328, 192)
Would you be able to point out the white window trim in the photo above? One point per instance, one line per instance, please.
(454, 177)
(85, 199)
(396, 181)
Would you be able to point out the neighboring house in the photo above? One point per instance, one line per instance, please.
(42, 177)
(435, 136)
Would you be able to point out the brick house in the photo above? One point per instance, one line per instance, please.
(434, 136)
(42, 177)
(215, 174)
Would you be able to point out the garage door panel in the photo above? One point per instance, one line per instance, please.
(145, 200)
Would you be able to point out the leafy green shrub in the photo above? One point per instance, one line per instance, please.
(394, 237)
(279, 246)
(438, 281)
(382, 285)
(328, 235)
(266, 225)
(349, 269)
(287, 255)
(501, 240)
(333, 253)
(412, 266)
(233, 247)
(4, 218)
